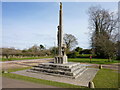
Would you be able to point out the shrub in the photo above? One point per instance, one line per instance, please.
(73, 54)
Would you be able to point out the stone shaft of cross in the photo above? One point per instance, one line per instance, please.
(60, 32)
(61, 58)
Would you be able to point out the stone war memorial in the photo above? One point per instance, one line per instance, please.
(61, 66)
(60, 69)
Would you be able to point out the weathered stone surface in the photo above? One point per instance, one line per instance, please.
(69, 69)
(61, 58)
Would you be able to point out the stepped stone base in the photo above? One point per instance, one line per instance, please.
(70, 69)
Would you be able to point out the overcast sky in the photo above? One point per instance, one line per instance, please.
(27, 23)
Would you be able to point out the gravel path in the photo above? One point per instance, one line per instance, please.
(22, 63)
(114, 66)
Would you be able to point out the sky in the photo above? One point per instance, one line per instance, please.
(25, 24)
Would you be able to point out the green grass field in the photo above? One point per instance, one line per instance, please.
(107, 78)
(94, 60)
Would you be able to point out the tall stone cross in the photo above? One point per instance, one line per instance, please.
(60, 32)
(61, 58)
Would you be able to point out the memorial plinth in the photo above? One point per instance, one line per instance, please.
(70, 69)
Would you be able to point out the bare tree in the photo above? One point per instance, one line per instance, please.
(10, 52)
(103, 25)
(34, 48)
(70, 41)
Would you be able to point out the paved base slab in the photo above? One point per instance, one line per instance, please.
(82, 80)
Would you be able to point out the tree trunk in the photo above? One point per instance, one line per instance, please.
(6, 56)
(109, 59)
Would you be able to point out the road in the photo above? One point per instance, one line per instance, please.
(23, 63)
(13, 83)
(28, 60)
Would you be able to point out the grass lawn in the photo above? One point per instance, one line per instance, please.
(106, 78)
(11, 59)
(35, 80)
(94, 60)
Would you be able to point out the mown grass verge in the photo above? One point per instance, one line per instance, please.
(93, 61)
(107, 78)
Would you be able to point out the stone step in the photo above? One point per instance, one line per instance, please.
(53, 71)
(58, 68)
(69, 73)
(53, 74)
(78, 70)
(76, 67)
(69, 69)
(80, 73)
(68, 65)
